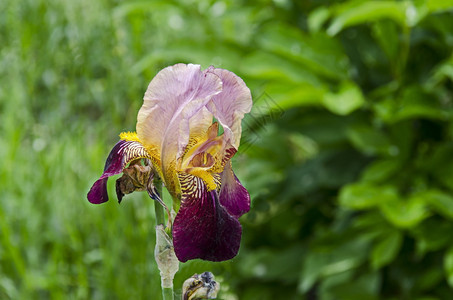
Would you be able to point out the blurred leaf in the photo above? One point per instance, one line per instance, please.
(363, 196)
(405, 213)
(432, 234)
(319, 53)
(438, 5)
(263, 65)
(203, 52)
(348, 99)
(369, 140)
(448, 266)
(139, 7)
(317, 18)
(366, 287)
(289, 95)
(270, 264)
(442, 72)
(320, 264)
(414, 103)
(323, 127)
(380, 170)
(440, 164)
(386, 249)
(355, 12)
(387, 35)
(441, 202)
(326, 170)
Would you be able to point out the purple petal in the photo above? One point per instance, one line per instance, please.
(98, 192)
(203, 228)
(231, 104)
(122, 153)
(233, 196)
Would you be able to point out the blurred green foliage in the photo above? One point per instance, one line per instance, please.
(347, 151)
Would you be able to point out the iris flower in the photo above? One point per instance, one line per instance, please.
(189, 128)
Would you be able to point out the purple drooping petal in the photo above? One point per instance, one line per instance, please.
(233, 196)
(231, 104)
(203, 228)
(122, 153)
(98, 192)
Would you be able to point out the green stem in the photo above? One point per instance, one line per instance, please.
(158, 209)
(167, 292)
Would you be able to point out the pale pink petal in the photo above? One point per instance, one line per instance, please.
(173, 101)
(200, 122)
(231, 104)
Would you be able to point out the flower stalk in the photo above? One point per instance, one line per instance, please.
(164, 252)
(158, 209)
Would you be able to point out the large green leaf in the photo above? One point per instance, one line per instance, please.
(364, 196)
(405, 213)
(319, 53)
(387, 35)
(369, 140)
(265, 65)
(348, 98)
(323, 263)
(414, 102)
(441, 202)
(357, 12)
(345, 286)
(317, 18)
(432, 234)
(386, 249)
(439, 164)
(381, 170)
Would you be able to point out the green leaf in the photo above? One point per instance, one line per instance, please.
(432, 234)
(357, 12)
(448, 266)
(386, 34)
(283, 264)
(363, 196)
(442, 73)
(405, 213)
(348, 99)
(365, 287)
(380, 170)
(386, 249)
(317, 18)
(414, 103)
(369, 140)
(322, 55)
(441, 202)
(203, 52)
(434, 6)
(288, 95)
(323, 264)
(440, 164)
(265, 65)
(139, 7)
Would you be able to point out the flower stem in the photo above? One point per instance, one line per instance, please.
(164, 252)
(158, 209)
(167, 293)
